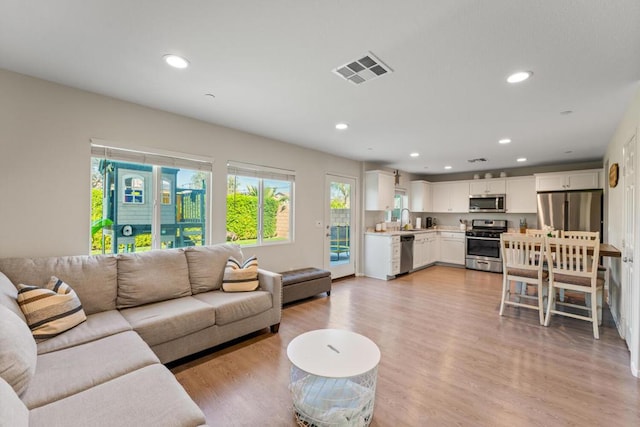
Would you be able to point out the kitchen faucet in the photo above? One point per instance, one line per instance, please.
(409, 216)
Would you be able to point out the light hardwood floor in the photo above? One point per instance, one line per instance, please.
(448, 358)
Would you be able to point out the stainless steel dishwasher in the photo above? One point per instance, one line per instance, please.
(406, 253)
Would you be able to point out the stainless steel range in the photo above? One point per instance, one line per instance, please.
(483, 245)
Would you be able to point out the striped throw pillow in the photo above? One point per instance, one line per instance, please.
(240, 277)
(50, 310)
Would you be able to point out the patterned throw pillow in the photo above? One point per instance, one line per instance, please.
(240, 277)
(50, 310)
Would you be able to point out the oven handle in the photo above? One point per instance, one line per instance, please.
(483, 238)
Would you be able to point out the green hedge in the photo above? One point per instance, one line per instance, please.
(242, 216)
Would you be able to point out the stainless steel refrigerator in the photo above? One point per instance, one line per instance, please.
(571, 210)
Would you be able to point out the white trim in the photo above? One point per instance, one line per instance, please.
(102, 143)
(239, 167)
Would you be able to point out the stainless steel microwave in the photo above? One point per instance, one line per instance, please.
(487, 203)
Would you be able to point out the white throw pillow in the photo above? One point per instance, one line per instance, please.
(241, 277)
(50, 310)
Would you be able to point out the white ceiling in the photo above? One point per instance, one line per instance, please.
(269, 64)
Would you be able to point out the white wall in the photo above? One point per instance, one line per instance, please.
(614, 218)
(45, 132)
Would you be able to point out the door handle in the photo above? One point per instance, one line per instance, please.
(624, 259)
(327, 235)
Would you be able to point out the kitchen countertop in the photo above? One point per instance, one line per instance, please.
(416, 231)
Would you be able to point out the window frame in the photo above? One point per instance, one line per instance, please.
(262, 174)
(159, 159)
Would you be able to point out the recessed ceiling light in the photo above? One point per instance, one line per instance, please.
(342, 126)
(504, 141)
(520, 76)
(176, 61)
(414, 154)
(448, 167)
(521, 159)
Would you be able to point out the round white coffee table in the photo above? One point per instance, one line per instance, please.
(333, 377)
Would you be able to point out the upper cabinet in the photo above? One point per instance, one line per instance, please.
(487, 186)
(379, 190)
(421, 196)
(521, 195)
(573, 180)
(450, 196)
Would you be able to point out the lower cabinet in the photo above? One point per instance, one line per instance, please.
(381, 256)
(452, 248)
(426, 250)
(382, 252)
(419, 251)
(433, 248)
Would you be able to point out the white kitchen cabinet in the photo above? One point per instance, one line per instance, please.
(421, 196)
(487, 186)
(521, 195)
(572, 180)
(450, 196)
(432, 248)
(381, 256)
(379, 190)
(419, 250)
(425, 249)
(452, 248)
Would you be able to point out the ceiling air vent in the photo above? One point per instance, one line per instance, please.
(364, 69)
(480, 159)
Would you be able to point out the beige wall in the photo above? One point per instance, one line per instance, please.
(45, 132)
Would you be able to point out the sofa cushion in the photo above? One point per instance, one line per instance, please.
(98, 325)
(152, 276)
(241, 277)
(167, 320)
(150, 396)
(65, 372)
(12, 411)
(232, 306)
(93, 277)
(207, 264)
(50, 310)
(9, 296)
(18, 353)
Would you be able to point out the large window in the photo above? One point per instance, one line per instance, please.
(143, 201)
(259, 204)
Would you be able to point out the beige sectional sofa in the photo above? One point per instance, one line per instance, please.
(142, 310)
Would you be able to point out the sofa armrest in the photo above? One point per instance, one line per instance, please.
(272, 282)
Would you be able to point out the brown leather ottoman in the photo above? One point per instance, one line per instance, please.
(304, 283)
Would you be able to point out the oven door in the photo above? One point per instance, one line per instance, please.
(483, 248)
(483, 253)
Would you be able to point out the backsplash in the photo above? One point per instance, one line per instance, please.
(453, 219)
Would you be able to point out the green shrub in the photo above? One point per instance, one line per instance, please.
(242, 216)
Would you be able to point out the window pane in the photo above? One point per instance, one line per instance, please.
(242, 209)
(167, 189)
(276, 216)
(122, 208)
(130, 211)
(183, 222)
